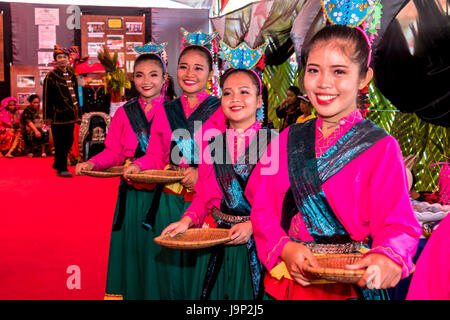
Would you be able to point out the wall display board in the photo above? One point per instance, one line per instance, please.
(120, 34)
(26, 80)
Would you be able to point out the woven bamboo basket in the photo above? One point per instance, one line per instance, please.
(196, 238)
(332, 268)
(115, 171)
(156, 176)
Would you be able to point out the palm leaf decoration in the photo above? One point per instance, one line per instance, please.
(431, 143)
(116, 79)
(278, 79)
(108, 62)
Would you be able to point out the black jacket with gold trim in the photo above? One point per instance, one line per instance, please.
(60, 97)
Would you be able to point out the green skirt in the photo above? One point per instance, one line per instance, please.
(234, 281)
(131, 266)
(178, 270)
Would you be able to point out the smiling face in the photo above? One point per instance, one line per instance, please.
(193, 72)
(332, 79)
(240, 100)
(148, 79)
(62, 61)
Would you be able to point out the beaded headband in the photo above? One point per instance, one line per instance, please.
(199, 38)
(355, 14)
(207, 42)
(244, 57)
(153, 48)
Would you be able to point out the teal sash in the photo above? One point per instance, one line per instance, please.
(141, 128)
(307, 174)
(139, 123)
(186, 146)
(232, 180)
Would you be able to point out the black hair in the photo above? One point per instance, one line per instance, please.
(250, 73)
(360, 52)
(295, 90)
(201, 49)
(170, 91)
(149, 57)
(32, 97)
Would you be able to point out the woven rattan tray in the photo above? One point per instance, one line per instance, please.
(197, 238)
(108, 173)
(156, 176)
(332, 268)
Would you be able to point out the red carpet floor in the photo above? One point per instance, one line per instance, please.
(51, 226)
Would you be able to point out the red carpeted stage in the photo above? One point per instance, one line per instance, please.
(54, 232)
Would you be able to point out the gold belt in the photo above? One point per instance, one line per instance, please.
(348, 247)
(228, 217)
(281, 270)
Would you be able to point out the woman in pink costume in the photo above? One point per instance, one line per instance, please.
(431, 279)
(233, 270)
(184, 127)
(131, 270)
(340, 180)
(10, 129)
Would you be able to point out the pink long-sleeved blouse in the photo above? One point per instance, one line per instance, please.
(158, 154)
(369, 197)
(207, 190)
(121, 141)
(431, 279)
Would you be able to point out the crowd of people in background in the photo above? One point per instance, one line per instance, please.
(23, 133)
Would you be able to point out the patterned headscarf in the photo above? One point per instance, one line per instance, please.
(6, 101)
(58, 50)
(74, 49)
(5, 115)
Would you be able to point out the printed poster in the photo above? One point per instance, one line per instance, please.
(25, 81)
(96, 29)
(130, 47)
(114, 41)
(45, 57)
(46, 16)
(47, 37)
(134, 27)
(94, 47)
(22, 98)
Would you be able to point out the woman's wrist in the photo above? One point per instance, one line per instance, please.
(187, 220)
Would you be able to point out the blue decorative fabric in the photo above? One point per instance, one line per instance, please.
(242, 56)
(232, 180)
(348, 12)
(150, 47)
(139, 123)
(260, 113)
(141, 128)
(349, 147)
(198, 37)
(186, 146)
(307, 174)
